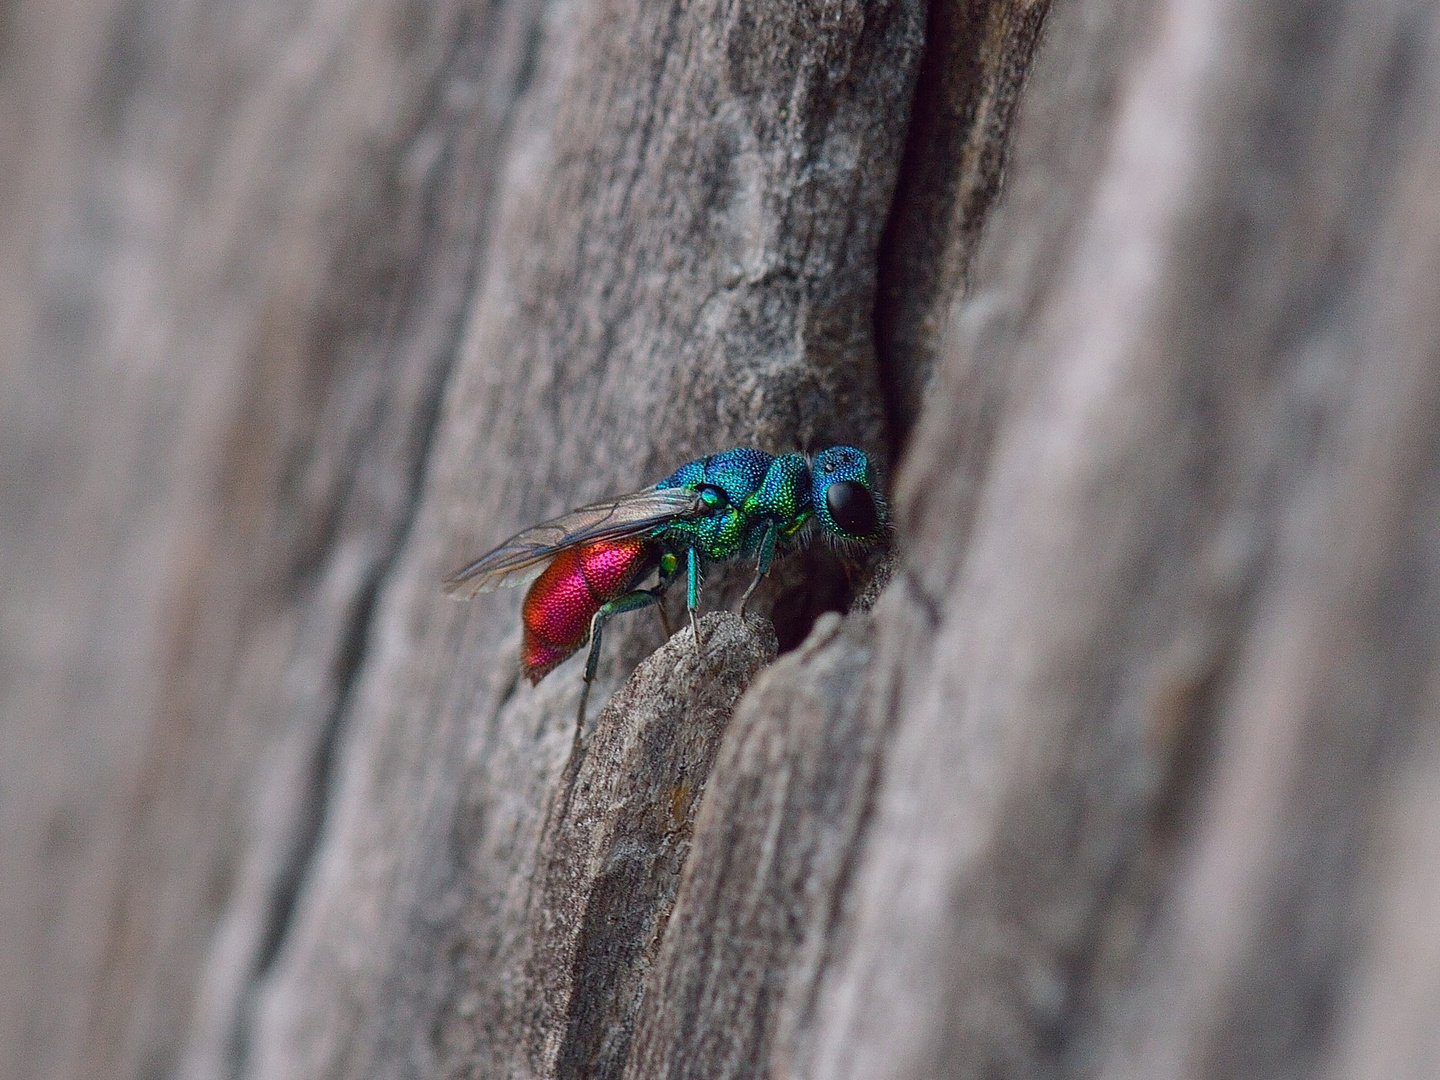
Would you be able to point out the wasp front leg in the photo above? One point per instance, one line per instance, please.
(692, 593)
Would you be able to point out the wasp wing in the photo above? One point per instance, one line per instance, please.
(525, 555)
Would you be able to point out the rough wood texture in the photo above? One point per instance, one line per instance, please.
(975, 64)
(616, 835)
(1144, 715)
(1127, 763)
(652, 290)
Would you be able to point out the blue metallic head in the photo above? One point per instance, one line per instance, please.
(845, 496)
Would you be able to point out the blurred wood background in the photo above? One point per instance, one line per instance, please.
(1127, 765)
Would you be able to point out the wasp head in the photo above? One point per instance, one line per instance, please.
(845, 497)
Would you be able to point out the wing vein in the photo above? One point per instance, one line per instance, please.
(525, 555)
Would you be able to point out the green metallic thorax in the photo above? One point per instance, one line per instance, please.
(751, 491)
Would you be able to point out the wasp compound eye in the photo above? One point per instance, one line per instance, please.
(852, 507)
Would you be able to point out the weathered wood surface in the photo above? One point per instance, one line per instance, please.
(1126, 766)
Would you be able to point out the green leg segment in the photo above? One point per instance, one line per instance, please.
(692, 592)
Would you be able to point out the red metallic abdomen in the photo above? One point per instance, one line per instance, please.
(559, 606)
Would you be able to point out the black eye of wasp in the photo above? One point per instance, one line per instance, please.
(852, 507)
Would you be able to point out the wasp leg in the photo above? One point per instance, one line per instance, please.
(668, 570)
(762, 564)
(631, 601)
(692, 593)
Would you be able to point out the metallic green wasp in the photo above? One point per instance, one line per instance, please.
(587, 565)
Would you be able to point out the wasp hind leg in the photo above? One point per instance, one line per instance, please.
(669, 567)
(631, 601)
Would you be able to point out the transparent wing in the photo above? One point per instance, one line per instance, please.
(522, 558)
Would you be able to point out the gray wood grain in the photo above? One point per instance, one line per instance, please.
(1125, 806)
(977, 56)
(616, 834)
(255, 236)
(734, 983)
(708, 281)
(1123, 761)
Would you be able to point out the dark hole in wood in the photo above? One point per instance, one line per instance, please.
(825, 586)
